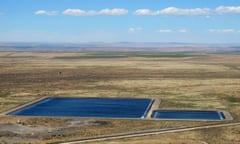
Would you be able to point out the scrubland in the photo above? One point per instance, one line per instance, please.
(180, 81)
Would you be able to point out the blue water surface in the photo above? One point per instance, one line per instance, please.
(88, 107)
(184, 114)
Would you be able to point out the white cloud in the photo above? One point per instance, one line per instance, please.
(115, 11)
(165, 31)
(182, 30)
(143, 12)
(134, 29)
(44, 12)
(79, 12)
(228, 9)
(228, 30)
(177, 11)
(223, 30)
(173, 11)
(170, 31)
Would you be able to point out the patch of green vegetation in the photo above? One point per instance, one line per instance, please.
(91, 57)
(127, 54)
(91, 81)
(163, 55)
(233, 99)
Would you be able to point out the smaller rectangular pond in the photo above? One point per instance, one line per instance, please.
(87, 107)
(188, 115)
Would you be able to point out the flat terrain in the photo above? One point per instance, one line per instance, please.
(180, 81)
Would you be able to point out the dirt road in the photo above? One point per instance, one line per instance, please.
(145, 133)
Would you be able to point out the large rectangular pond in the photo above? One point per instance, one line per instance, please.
(88, 107)
(188, 115)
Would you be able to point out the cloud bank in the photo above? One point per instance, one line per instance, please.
(171, 31)
(142, 12)
(228, 9)
(223, 30)
(173, 11)
(79, 12)
(44, 12)
(190, 11)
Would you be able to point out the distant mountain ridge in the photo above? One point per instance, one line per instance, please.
(119, 46)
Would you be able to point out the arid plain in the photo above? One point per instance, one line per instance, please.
(180, 80)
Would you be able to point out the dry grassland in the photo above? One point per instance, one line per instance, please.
(229, 135)
(204, 81)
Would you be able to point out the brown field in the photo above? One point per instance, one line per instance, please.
(198, 81)
(229, 135)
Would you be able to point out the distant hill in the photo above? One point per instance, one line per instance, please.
(121, 46)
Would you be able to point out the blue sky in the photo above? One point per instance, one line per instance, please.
(205, 21)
